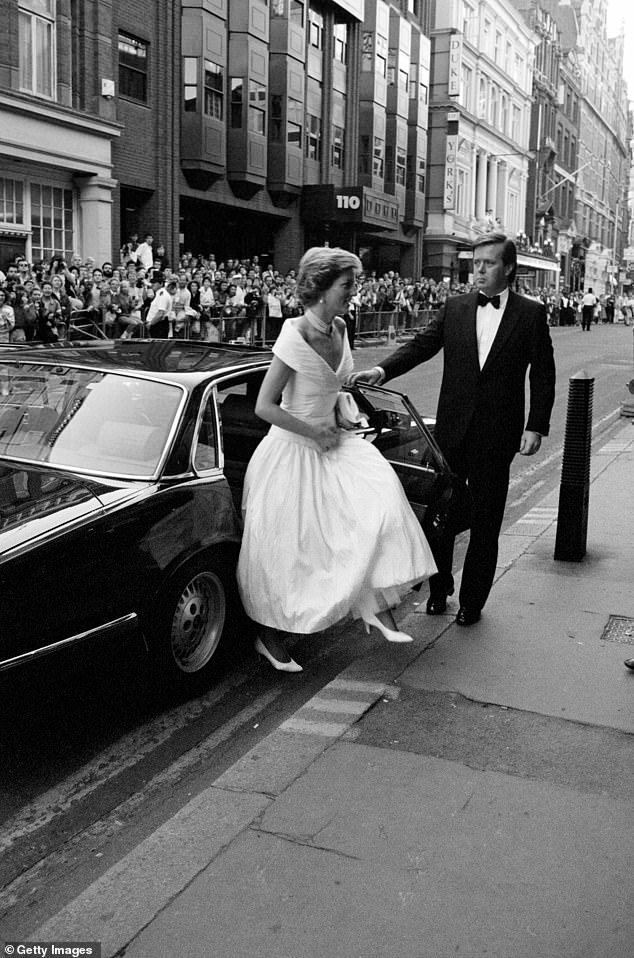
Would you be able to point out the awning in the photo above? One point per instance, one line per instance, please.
(537, 263)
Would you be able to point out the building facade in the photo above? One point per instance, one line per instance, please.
(479, 129)
(58, 132)
(402, 130)
(234, 128)
(604, 154)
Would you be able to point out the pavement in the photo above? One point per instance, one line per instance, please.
(469, 795)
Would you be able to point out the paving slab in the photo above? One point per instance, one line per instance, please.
(379, 854)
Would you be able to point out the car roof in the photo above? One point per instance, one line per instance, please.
(169, 358)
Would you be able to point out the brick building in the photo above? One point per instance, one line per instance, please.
(238, 128)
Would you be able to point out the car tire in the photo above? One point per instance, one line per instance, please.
(189, 626)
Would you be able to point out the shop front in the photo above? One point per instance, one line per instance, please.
(56, 182)
(361, 220)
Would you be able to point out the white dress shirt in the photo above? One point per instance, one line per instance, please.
(488, 320)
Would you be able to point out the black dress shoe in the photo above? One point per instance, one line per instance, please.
(467, 615)
(629, 663)
(436, 605)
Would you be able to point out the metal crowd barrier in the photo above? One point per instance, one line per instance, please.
(257, 329)
(213, 326)
(378, 324)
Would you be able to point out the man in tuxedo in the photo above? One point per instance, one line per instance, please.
(490, 338)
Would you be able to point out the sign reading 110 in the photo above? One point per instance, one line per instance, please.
(348, 202)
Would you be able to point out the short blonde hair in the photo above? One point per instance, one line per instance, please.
(318, 269)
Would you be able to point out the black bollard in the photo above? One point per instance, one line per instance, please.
(574, 490)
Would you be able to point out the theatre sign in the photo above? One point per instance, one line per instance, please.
(358, 205)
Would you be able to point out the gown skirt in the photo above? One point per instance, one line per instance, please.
(326, 534)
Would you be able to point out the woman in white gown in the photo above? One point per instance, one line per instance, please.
(328, 530)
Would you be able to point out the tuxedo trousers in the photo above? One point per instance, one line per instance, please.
(486, 473)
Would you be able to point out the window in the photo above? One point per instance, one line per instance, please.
(214, 90)
(341, 43)
(420, 176)
(515, 128)
(275, 127)
(461, 192)
(391, 66)
(297, 12)
(206, 448)
(465, 86)
(190, 84)
(313, 137)
(257, 111)
(133, 68)
(51, 221)
(36, 42)
(364, 155)
(504, 114)
(11, 201)
(403, 80)
(493, 106)
(237, 86)
(482, 97)
(367, 52)
(337, 147)
(378, 156)
(316, 30)
(468, 19)
(486, 37)
(381, 66)
(400, 168)
(294, 123)
(413, 76)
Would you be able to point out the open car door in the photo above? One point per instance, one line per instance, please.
(401, 434)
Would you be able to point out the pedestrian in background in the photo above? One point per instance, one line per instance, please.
(160, 312)
(588, 307)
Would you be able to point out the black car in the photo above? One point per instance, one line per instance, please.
(121, 472)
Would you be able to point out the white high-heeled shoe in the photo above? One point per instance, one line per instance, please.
(388, 634)
(290, 666)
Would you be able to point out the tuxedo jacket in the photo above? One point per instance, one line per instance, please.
(488, 404)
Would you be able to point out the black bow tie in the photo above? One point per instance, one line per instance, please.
(485, 300)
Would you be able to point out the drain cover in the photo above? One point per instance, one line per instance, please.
(619, 628)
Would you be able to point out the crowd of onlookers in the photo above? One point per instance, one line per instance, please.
(207, 298)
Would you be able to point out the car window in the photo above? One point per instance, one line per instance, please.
(98, 422)
(206, 447)
(394, 430)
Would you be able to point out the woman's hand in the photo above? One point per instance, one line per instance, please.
(326, 437)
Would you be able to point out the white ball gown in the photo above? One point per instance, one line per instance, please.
(325, 533)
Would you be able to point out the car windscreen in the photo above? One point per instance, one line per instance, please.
(88, 420)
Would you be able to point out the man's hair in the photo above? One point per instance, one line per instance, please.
(509, 249)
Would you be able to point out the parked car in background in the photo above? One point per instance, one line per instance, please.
(121, 473)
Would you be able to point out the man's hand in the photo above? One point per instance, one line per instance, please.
(373, 377)
(530, 443)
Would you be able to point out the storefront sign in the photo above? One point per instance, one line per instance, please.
(350, 205)
(449, 196)
(455, 65)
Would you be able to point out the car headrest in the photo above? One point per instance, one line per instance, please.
(131, 442)
(239, 410)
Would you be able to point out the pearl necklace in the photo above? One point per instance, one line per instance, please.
(326, 329)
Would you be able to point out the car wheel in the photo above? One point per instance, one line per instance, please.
(190, 625)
